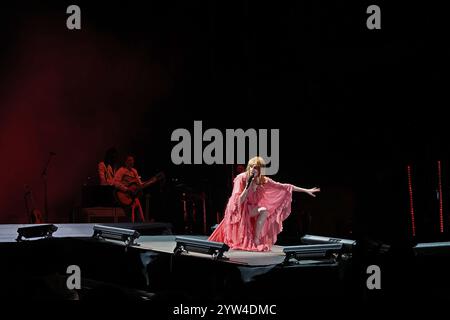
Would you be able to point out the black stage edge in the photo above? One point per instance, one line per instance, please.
(110, 271)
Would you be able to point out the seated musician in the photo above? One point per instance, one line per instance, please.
(106, 167)
(123, 179)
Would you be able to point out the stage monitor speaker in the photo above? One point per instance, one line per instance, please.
(128, 236)
(189, 244)
(441, 249)
(312, 251)
(347, 244)
(36, 231)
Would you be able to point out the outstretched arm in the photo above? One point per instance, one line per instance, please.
(311, 191)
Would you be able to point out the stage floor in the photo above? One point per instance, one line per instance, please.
(167, 244)
(160, 243)
(8, 232)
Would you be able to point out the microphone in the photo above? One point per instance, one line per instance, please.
(250, 179)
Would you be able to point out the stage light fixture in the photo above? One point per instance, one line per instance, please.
(312, 251)
(37, 231)
(347, 244)
(128, 236)
(441, 249)
(186, 244)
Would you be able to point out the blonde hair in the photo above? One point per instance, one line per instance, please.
(259, 163)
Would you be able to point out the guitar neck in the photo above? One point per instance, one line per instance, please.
(150, 181)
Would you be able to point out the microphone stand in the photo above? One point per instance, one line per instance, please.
(44, 177)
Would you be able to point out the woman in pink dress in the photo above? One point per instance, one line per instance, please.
(256, 210)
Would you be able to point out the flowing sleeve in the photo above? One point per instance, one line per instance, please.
(233, 211)
(280, 186)
(277, 196)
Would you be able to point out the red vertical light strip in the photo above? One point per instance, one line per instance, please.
(411, 202)
(441, 213)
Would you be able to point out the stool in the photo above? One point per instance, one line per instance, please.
(113, 213)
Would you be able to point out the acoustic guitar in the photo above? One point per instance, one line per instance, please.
(34, 214)
(127, 198)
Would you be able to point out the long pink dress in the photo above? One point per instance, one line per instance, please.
(237, 228)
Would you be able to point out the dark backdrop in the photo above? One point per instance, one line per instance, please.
(353, 106)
